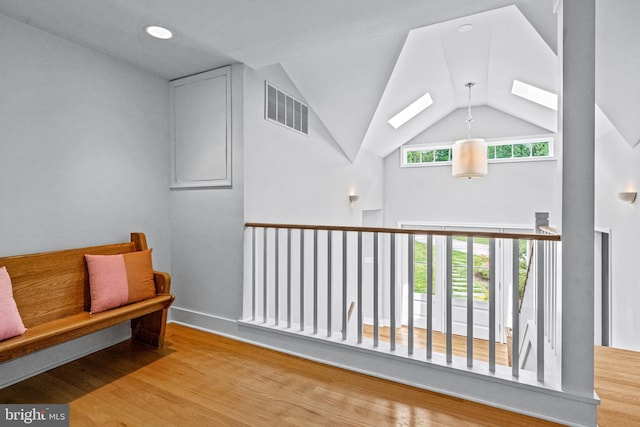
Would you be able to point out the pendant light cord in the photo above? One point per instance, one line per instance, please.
(469, 117)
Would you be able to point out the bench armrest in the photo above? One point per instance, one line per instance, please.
(163, 282)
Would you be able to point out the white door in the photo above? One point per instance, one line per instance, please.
(480, 286)
(459, 302)
(503, 267)
(420, 283)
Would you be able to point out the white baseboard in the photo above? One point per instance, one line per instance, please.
(203, 321)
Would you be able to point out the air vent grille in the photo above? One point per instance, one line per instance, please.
(286, 110)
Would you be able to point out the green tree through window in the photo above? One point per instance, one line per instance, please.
(502, 151)
(540, 149)
(413, 157)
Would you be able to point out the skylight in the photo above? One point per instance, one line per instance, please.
(535, 94)
(411, 111)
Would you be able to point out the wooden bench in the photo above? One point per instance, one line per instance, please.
(51, 291)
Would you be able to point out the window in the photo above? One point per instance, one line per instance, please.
(535, 94)
(411, 111)
(420, 265)
(520, 150)
(423, 155)
(497, 151)
(459, 266)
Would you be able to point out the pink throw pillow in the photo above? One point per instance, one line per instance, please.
(116, 280)
(11, 324)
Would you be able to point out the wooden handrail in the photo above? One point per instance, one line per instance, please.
(463, 233)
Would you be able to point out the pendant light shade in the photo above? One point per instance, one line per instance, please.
(469, 158)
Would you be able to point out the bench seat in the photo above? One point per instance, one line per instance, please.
(74, 326)
(51, 291)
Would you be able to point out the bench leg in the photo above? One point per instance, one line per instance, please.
(150, 328)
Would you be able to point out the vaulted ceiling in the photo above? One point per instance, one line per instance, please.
(358, 62)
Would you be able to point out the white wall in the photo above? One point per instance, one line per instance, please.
(84, 147)
(293, 178)
(618, 169)
(207, 235)
(509, 195)
(84, 155)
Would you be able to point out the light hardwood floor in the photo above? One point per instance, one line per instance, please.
(617, 382)
(458, 348)
(201, 379)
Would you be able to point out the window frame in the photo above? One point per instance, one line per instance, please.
(404, 152)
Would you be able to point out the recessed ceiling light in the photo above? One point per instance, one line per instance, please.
(411, 111)
(465, 28)
(535, 94)
(158, 32)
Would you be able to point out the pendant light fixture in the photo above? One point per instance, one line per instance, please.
(469, 155)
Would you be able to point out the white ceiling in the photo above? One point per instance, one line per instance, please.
(213, 33)
(618, 65)
(440, 60)
(357, 62)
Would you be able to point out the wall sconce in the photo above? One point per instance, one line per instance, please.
(628, 196)
(353, 198)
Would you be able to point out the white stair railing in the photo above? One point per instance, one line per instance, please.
(318, 272)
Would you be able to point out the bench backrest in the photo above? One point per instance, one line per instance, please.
(52, 285)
